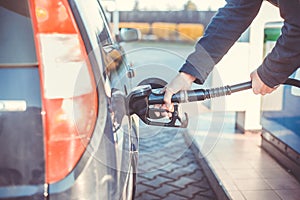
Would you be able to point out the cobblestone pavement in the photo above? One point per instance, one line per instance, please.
(168, 168)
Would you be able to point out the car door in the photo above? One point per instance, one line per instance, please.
(111, 68)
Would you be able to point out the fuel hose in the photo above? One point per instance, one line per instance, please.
(202, 94)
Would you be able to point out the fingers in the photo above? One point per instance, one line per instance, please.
(158, 111)
(258, 85)
(167, 99)
(182, 81)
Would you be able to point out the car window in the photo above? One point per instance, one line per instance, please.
(17, 47)
(95, 22)
(19, 77)
(21, 134)
(98, 40)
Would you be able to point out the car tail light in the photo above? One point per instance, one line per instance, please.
(69, 89)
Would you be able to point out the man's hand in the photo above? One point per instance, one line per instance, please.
(182, 81)
(258, 86)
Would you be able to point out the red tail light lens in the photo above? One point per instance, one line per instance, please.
(69, 90)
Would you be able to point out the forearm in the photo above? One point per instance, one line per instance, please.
(223, 31)
(284, 59)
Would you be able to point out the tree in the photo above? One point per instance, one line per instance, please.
(190, 6)
(136, 5)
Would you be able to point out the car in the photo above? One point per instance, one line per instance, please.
(64, 77)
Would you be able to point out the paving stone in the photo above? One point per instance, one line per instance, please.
(151, 174)
(202, 185)
(166, 160)
(190, 191)
(144, 160)
(186, 161)
(142, 179)
(147, 196)
(197, 173)
(199, 197)
(141, 188)
(171, 167)
(158, 181)
(149, 166)
(173, 196)
(208, 193)
(163, 191)
(182, 182)
(176, 174)
(191, 166)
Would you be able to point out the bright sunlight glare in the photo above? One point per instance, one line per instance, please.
(169, 5)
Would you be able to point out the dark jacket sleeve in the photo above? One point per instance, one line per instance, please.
(223, 31)
(284, 59)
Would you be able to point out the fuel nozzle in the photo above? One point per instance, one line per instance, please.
(138, 103)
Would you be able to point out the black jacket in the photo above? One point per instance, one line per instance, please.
(227, 26)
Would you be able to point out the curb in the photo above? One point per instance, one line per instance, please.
(213, 180)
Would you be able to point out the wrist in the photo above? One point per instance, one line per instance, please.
(187, 77)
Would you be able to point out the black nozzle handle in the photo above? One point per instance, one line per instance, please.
(180, 97)
(199, 94)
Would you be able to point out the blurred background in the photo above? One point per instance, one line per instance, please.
(164, 20)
